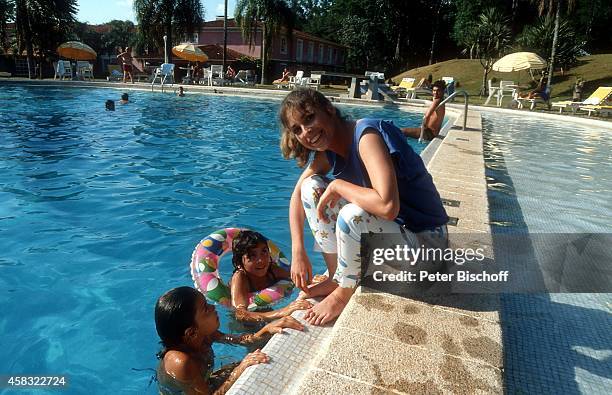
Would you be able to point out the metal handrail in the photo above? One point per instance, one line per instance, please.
(455, 93)
(465, 97)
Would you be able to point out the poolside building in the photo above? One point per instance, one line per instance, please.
(301, 51)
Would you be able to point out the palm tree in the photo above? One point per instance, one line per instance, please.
(157, 18)
(272, 15)
(43, 24)
(492, 37)
(551, 6)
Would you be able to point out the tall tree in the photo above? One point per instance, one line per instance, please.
(492, 38)
(7, 9)
(550, 7)
(172, 18)
(120, 34)
(42, 24)
(271, 15)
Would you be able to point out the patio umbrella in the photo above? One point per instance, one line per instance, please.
(190, 52)
(519, 61)
(76, 50)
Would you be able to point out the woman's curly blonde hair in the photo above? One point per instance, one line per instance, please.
(302, 100)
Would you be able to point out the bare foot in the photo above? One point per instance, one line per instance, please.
(318, 289)
(330, 308)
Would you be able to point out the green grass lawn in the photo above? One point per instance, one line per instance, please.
(594, 69)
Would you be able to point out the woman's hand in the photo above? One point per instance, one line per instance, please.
(254, 358)
(301, 269)
(329, 198)
(299, 304)
(278, 326)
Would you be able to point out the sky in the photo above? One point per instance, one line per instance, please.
(96, 11)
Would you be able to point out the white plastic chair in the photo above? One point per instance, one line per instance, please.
(63, 69)
(314, 81)
(165, 71)
(493, 91)
(505, 87)
(296, 80)
(216, 74)
(85, 69)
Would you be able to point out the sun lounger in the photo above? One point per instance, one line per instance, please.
(597, 98)
(601, 110)
(545, 98)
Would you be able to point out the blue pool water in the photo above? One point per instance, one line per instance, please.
(101, 210)
(552, 177)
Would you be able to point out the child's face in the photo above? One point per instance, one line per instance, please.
(257, 260)
(313, 127)
(206, 320)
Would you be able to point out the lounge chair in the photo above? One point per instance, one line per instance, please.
(163, 72)
(601, 110)
(245, 77)
(84, 69)
(114, 72)
(406, 84)
(545, 98)
(597, 98)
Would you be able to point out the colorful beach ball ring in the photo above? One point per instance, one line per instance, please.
(205, 270)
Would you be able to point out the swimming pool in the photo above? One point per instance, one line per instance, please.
(101, 210)
(548, 176)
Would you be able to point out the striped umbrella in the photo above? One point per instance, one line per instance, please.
(76, 50)
(519, 61)
(190, 52)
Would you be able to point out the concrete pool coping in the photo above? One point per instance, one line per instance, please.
(381, 342)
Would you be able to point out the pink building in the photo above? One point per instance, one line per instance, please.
(303, 52)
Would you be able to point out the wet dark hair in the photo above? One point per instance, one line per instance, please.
(175, 312)
(243, 243)
(303, 100)
(439, 84)
(124, 97)
(110, 105)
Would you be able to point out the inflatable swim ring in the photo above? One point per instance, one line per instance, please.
(205, 270)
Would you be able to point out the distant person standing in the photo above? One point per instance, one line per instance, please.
(125, 58)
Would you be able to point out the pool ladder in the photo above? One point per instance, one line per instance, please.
(449, 98)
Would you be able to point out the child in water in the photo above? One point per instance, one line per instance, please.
(254, 271)
(187, 327)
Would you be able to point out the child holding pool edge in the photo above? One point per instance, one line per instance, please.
(254, 271)
(380, 185)
(187, 326)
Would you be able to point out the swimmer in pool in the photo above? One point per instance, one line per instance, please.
(187, 326)
(254, 271)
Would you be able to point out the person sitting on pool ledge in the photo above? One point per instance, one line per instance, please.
(380, 185)
(432, 120)
(254, 271)
(187, 327)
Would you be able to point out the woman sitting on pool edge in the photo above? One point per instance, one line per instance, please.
(187, 327)
(254, 271)
(381, 185)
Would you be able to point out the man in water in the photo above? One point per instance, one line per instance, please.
(124, 99)
(432, 121)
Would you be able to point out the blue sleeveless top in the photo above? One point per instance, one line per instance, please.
(420, 205)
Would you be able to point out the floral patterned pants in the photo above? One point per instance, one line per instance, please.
(342, 234)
